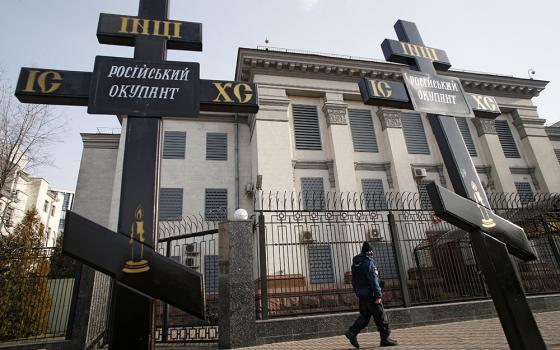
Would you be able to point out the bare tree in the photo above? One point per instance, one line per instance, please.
(26, 131)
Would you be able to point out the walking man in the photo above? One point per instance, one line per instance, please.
(366, 284)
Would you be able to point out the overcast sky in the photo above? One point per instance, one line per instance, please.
(505, 37)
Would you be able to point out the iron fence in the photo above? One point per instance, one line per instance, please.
(98, 322)
(36, 293)
(307, 240)
(192, 241)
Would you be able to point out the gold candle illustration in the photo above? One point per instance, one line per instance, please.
(137, 264)
(487, 221)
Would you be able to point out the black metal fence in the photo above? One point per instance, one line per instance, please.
(307, 241)
(192, 241)
(36, 293)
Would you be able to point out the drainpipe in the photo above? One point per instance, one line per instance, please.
(236, 161)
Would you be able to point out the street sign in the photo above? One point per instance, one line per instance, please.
(127, 86)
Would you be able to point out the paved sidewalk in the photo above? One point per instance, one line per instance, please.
(469, 335)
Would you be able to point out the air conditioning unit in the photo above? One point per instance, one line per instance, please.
(191, 262)
(419, 172)
(306, 237)
(190, 249)
(373, 235)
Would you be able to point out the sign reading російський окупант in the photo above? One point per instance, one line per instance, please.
(437, 95)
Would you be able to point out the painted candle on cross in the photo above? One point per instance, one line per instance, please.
(137, 264)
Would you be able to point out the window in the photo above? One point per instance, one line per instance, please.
(66, 201)
(385, 259)
(306, 127)
(46, 207)
(467, 137)
(53, 209)
(211, 273)
(174, 144)
(320, 264)
(216, 146)
(525, 192)
(374, 195)
(312, 193)
(414, 134)
(425, 203)
(506, 139)
(170, 203)
(215, 204)
(557, 152)
(363, 133)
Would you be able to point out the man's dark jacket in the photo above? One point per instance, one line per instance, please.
(364, 277)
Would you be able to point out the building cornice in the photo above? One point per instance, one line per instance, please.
(553, 133)
(315, 66)
(103, 141)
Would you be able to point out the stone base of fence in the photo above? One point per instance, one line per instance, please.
(319, 326)
(237, 291)
(38, 344)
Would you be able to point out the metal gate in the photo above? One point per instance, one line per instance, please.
(191, 241)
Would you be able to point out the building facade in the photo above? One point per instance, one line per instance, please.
(313, 133)
(313, 136)
(26, 193)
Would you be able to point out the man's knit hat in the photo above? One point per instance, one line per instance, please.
(366, 247)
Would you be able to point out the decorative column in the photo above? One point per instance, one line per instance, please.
(395, 145)
(538, 149)
(340, 148)
(271, 143)
(492, 149)
(237, 320)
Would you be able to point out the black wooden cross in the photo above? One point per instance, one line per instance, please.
(469, 209)
(145, 89)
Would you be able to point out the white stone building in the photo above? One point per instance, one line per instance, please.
(28, 192)
(312, 128)
(313, 134)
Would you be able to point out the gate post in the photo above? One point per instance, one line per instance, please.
(236, 313)
(262, 267)
(399, 259)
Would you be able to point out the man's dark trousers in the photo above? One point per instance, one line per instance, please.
(369, 308)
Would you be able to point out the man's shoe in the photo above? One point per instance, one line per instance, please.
(352, 338)
(388, 342)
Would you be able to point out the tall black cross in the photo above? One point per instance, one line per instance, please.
(491, 236)
(131, 317)
(145, 89)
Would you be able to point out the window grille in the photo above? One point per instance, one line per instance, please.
(414, 135)
(216, 146)
(320, 264)
(215, 204)
(363, 132)
(312, 193)
(506, 139)
(170, 203)
(467, 137)
(174, 144)
(306, 127)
